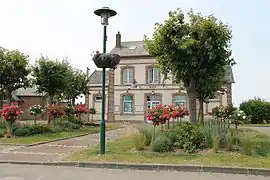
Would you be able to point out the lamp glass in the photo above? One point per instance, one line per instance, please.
(105, 19)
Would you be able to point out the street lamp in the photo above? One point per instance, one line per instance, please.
(105, 13)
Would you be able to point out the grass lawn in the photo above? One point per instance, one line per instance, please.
(52, 136)
(123, 150)
(256, 125)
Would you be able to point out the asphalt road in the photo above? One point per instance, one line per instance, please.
(27, 172)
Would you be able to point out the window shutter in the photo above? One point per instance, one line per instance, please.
(150, 75)
(156, 75)
(130, 76)
(125, 76)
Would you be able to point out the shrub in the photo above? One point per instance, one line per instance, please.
(72, 119)
(65, 125)
(216, 141)
(162, 144)
(229, 141)
(147, 134)
(212, 128)
(25, 130)
(139, 141)
(69, 110)
(189, 137)
(258, 110)
(262, 147)
(247, 145)
(238, 117)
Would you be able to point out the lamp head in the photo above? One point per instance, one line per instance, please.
(105, 13)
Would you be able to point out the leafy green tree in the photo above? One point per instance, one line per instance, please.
(206, 87)
(77, 85)
(51, 76)
(14, 70)
(189, 49)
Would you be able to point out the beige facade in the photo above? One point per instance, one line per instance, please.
(138, 85)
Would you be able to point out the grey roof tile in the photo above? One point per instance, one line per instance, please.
(131, 48)
(95, 77)
(27, 92)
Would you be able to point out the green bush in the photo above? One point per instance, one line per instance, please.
(247, 145)
(162, 144)
(147, 134)
(216, 142)
(22, 131)
(66, 125)
(256, 109)
(26, 130)
(212, 128)
(229, 141)
(262, 147)
(139, 141)
(186, 136)
(71, 119)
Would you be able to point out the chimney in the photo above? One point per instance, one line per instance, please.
(118, 40)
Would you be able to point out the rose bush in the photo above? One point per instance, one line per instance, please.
(161, 114)
(10, 114)
(54, 112)
(238, 117)
(36, 110)
(81, 109)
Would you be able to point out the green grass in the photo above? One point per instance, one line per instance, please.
(255, 125)
(122, 150)
(53, 136)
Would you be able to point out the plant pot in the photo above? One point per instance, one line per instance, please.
(106, 60)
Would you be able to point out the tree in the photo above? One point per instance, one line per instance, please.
(51, 77)
(191, 49)
(14, 70)
(77, 85)
(206, 87)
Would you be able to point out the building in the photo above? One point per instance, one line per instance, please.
(137, 85)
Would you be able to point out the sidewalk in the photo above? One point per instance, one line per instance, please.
(55, 151)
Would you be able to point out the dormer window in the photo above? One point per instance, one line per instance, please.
(128, 75)
(153, 75)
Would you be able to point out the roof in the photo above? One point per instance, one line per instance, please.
(131, 48)
(96, 76)
(27, 92)
(229, 75)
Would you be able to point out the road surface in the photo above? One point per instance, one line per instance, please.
(27, 172)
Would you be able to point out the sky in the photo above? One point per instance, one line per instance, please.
(69, 28)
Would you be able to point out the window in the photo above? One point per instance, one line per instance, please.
(153, 75)
(128, 104)
(153, 101)
(128, 75)
(180, 100)
(98, 98)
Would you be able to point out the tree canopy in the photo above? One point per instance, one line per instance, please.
(14, 70)
(77, 85)
(194, 48)
(51, 76)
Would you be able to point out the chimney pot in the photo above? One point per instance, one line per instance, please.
(118, 40)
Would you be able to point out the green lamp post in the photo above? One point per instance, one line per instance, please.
(105, 13)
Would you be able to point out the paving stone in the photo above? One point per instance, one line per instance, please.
(28, 157)
(48, 149)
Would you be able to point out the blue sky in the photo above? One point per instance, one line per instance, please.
(68, 28)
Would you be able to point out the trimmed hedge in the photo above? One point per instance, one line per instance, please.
(258, 110)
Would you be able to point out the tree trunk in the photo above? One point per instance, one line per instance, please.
(191, 91)
(201, 114)
(192, 107)
(73, 101)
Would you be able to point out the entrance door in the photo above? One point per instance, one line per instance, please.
(152, 101)
(151, 104)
